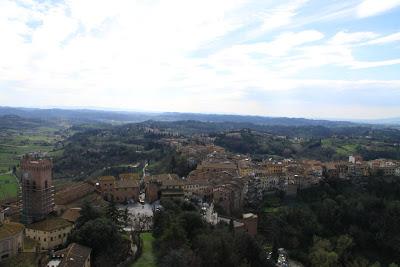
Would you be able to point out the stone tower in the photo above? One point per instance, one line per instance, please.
(37, 188)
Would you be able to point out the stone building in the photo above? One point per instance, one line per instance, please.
(49, 233)
(37, 188)
(120, 190)
(229, 196)
(11, 237)
(156, 184)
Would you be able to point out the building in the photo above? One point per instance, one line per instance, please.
(49, 233)
(75, 255)
(274, 168)
(123, 189)
(355, 159)
(229, 196)
(172, 189)
(37, 188)
(250, 222)
(156, 184)
(73, 192)
(72, 214)
(11, 237)
(200, 188)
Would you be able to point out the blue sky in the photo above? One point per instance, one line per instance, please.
(314, 59)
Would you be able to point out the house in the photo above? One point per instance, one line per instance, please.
(71, 214)
(125, 188)
(156, 184)
(50, 233)
(11, 238)
(75, 255)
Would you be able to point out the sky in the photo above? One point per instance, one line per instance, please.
(295, 58)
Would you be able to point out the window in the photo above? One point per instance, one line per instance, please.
(51, 238)
(45, 184)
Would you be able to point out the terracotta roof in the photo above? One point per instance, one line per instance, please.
(71, 214)
(128, 176)
(106, 178)
(10, 229)
(49, 224)
(126, 183)
(161, 177)
(75, 255)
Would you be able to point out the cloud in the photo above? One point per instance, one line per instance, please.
(344, 37)
(395, 37)
(145, 54)
(370, 8)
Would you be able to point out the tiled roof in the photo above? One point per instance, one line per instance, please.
(10, 229)
(49, 224)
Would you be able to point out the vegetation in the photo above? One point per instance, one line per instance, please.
(340, 223)
(107, 148)
(102, 232)
(325, 144)
(147, 258)
(8, 186)
(183, 239)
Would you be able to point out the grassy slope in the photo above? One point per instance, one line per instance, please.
(16, 143)
(147, 259)
(8, 186)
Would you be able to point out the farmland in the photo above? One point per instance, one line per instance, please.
(8, 186)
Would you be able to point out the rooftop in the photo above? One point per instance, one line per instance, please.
(10, 229)
(75, 255)
(72, 214)
(106, 178)
(49, 224)
(129, 176)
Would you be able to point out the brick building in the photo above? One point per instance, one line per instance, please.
(120, 190)
(37, 188)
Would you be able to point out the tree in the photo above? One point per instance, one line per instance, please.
(174, 237)
(114, 214)
(176, 258)
(103, 236)
(87, 213)
(125, 217)
(322, 254)
(231, 226)
(192, 223)
(343, 245)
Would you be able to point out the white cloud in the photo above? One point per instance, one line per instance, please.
(370, 8)
(395, 37)
(145, 54)
(344, 37)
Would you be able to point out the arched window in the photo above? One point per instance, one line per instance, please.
(45, 184)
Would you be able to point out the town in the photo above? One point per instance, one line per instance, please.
(226, 187)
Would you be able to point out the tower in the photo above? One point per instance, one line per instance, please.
(37, 188)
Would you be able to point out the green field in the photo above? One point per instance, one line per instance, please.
(271, 203)
(147, 259)
(13, 144)
(8, 186)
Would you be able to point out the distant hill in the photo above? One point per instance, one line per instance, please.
(15, 122)
(86, 115)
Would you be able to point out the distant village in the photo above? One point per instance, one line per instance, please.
(223, 184)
